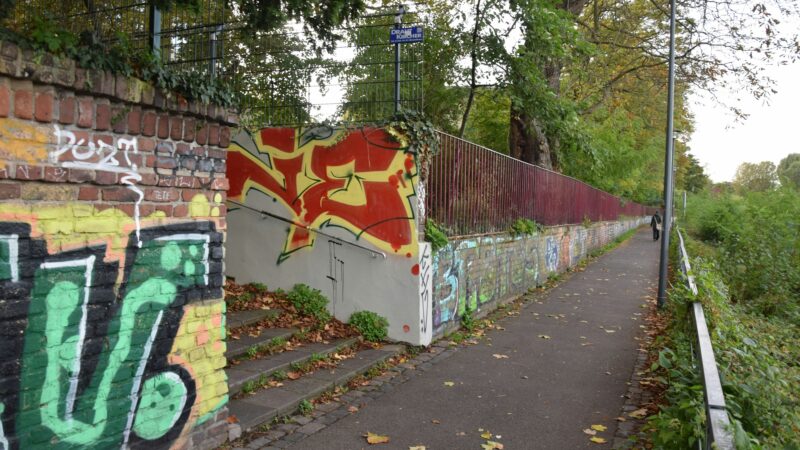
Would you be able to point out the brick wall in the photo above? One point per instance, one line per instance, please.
(112, 225)
(483, 272)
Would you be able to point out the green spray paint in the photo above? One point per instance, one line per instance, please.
(52, 412)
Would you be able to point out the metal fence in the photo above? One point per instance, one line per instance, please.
(282, 78)
(472, 189)
(718, 426)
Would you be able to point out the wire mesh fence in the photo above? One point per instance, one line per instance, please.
(281, 78)
(473, 190)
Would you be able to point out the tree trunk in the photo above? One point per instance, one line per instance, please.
(527, 140)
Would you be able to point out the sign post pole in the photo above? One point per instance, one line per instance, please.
(398, 23)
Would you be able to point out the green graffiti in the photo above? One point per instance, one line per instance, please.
(161, 404)
(62, 406)
(8, 257)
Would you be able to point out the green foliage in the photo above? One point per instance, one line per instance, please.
(435, 234)
(524, 227)
(755, 177)
(120, 57)
(789, 171)
(757, 350)
(305, 407)
(468, 321)
(372, 326)
(310, 302)
(414, 130)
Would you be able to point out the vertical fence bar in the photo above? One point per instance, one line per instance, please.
(472, 189)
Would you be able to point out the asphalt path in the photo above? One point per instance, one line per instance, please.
(555, 369)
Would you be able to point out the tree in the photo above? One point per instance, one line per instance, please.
(755, 177)
(789, 171)
(694, 177)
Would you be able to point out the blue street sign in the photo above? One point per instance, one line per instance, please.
(405, 35)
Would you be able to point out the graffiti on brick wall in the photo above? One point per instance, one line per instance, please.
(105, 157)
(472, 272)
(358, 180)
(551, 254)
(107, 341)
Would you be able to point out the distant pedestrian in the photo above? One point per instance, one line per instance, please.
(655, 222)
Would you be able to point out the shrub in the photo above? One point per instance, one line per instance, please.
(434, 233)
(310, 302)
(372, 326)
(468, 319)
(524, 227)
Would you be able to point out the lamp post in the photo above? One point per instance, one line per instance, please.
(669, 179)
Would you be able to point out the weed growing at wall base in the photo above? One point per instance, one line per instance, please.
(309, 301)
(435, 234)
(373, 327)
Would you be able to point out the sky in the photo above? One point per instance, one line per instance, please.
(769, 134)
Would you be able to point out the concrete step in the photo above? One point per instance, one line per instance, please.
(262, 407)
(238, 319)
(239, 347)
(252, 370)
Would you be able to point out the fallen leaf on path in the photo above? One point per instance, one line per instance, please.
(598, 440)
(417, 447)
(461, 433)
(621, 419)
(352, 409)
(590, 432)
(293, 375)
(491, 445)
(499, 356)
(233, 419)
(437, 422)
(544, 336)
(610, 331)
(639, 413)
(599, 427)
(486, 435)
(449, 383)
(373, 438)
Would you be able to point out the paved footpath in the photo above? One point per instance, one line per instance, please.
(569, 355)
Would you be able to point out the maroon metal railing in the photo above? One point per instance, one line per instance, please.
(472, 189)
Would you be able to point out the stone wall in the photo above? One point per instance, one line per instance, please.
(483, 272)
(112, 225)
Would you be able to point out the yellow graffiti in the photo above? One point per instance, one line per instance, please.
(21, 141)
(200, 348)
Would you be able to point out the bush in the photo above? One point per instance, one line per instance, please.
(524, 227)
(310, 302)
(434, 233)
(372, 326)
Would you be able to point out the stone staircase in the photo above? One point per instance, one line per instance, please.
(252, 403)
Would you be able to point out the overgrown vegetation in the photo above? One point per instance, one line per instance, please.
(746, 264)
(309, 301)
(436, 235)
(372, 326)
(525, 227)
(119, 56)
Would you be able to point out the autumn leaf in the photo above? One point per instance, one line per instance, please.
(499, 356)
(491, 445)
(639, 413)
(486, 435)
(598, 440)
(417, 447)
(293, 375)
(352, 409)
(449, 383)
(610, 331)
(435, 421)
(590, 432)
(544, 336)
(373, 438)
(599, 427)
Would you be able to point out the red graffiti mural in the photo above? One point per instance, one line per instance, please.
(359, 180)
